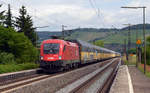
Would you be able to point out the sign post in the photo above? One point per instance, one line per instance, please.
(138, 55)
(138, 42)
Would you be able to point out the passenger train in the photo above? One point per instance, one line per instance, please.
(56, 54)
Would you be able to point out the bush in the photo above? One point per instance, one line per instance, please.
(6, 58)
(147, 51)
(99, 43)
(132, 51)
(4, 68)
(17, 44)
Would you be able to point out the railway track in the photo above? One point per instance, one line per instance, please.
(96, 82)
(11, 84)
(18, 76)
(22, 82)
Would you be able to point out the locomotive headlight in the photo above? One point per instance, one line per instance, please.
(41, 57)
(59, 57)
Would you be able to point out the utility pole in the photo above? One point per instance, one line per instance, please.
(144, 40)
(125, 49)
(129, 39)
(37, 35)
(129, 36)
(137, 55)
(63, 31)
(143, 7)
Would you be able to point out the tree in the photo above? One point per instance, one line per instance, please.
(24, 24)
(17, 44)
(2, 17)
(147, 51)
(8, 20)
(99, 43)
(148, 40)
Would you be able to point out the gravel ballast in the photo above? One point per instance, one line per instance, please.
(80, 81)
(16, 75)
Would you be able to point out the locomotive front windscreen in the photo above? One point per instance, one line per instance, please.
(51, 48)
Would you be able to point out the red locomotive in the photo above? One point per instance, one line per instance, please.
(57, 53)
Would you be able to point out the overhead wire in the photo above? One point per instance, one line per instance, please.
(100, 14)
(97, 11)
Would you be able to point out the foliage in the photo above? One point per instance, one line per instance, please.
(142, 70)
(99, 43)
(135, 27)
(6, 58)
(4, 68)
(8, 20)
(2, 17)
(17, 44)
(131, 61)
(148, 40)
(24, 24)
(147, 51)
(132, 51)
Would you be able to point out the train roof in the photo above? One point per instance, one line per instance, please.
(85, 44)
(59, 41)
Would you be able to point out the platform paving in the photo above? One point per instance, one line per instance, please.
(141, 83)
(122, 82)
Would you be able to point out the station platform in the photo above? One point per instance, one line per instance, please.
(141, 83)
(122, 82)
(130, 80)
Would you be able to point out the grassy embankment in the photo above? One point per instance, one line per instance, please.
(132, 61)
(5, 68)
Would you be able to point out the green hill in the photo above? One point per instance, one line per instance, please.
(113, 38)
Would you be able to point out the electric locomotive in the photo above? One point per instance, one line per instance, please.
(58, 54)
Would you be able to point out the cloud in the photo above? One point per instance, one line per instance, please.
(69, 10)
(80, 13)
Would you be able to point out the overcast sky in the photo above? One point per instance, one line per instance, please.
(80, 13)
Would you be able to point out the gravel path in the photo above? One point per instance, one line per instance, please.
(141, 83)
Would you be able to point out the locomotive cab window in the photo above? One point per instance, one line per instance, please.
(64, 48)
(51, 48)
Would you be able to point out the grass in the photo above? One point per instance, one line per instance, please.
(132, 61)
(87, 36)
(17, 67)
(142, 70)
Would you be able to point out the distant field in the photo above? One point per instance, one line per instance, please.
(121, 36)
(88, 36)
